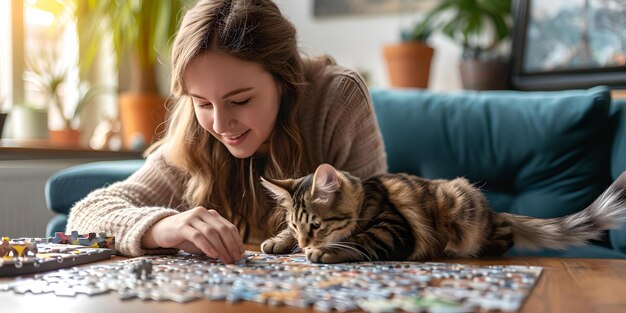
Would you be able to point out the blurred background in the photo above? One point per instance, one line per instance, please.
(77, 64)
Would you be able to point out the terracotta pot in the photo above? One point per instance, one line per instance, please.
(408, 64)
(3, 117)
(485, 75)
(65, 137)
(140, 115)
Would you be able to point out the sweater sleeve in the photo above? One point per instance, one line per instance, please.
(356, 143)
(127, 209)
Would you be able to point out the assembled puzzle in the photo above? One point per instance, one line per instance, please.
(32, 255)
(293, 281)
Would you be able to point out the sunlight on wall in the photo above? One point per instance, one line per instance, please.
(38, 17)
(357, 41)
(5, 55)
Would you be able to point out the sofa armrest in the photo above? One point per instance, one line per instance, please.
(56, 224)
(66, 187)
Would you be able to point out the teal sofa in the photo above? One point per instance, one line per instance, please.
(542, 154)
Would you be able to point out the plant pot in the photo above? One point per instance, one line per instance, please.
(27, 123)
(408, 64)
(140, 115)
(485, 74)
(3, 117)
(65, 137)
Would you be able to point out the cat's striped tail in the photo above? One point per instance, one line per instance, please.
(608, 211)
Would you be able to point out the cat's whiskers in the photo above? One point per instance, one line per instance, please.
(351, 243)
(281, 224)
(344, 245)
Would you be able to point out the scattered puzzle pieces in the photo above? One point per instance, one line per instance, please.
(22, 256)
(87, 240)
(292, 280)
(22, 248)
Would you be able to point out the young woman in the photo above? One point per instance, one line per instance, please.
(247, 105)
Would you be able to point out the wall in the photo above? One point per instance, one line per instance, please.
(357, 42)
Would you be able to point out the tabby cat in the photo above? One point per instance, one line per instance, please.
(335, 217)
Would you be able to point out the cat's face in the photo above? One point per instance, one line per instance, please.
(321, 208)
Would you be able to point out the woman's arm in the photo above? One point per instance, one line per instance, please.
(127, 209)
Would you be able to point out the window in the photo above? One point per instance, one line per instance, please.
(43, 46)
(6, 70)
(50, 57)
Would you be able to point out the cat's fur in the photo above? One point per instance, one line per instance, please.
(335, 217)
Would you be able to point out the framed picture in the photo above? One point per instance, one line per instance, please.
(337, 8)
(560, 44)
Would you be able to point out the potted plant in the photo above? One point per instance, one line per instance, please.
(137, 29)
(70, 134)
(3, 116)
(408, 62)
(480, 26)
(48, 74)
(27, 121)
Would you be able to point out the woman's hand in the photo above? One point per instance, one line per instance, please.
(197, 231)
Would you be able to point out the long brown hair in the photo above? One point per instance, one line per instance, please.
(254, 31)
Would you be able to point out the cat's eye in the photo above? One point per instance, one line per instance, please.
(315, 225)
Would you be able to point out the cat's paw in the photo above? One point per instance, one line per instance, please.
(326, 255)
(276, 246)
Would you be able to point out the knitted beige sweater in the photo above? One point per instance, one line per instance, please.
(338, 125)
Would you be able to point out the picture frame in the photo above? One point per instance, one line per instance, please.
(343, 8)
(567, 44)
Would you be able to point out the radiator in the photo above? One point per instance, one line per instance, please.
(23, 211)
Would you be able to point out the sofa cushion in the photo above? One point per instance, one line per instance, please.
(70, 185)
(540, 154)
(618, 151)
(618, 162)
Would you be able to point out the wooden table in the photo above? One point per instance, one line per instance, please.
(566, 285)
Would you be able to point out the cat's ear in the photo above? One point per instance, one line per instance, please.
(325, 183)
(279, 188)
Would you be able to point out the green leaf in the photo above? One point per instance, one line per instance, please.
(143, 26)
(466, 20)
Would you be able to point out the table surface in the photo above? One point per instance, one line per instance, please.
(566, 285)
(36, 149)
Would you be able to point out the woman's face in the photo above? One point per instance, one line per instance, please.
(236, 101)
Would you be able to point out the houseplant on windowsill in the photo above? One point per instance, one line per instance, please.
(408, 62)
(48, 74)
(70, 134)
(480, 27)
(138, 29)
